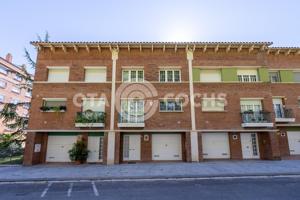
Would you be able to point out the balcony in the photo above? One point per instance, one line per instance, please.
(90, 119)
(251, 119)
(284, 115)
(133, 121)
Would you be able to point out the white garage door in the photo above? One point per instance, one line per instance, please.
(58, 147)
(166, 147)
(294, 142)
(215, 146)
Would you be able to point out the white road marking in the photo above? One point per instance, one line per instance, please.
(70, 189)
(95, 189)
(46, 189)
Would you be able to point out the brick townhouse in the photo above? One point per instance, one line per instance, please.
(10, 88)
(164, 101)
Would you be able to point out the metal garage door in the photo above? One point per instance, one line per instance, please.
(215, 146)
(294, 142)
(58, 147)
(166, 147)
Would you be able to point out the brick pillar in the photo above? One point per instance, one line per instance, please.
(235, 146)
(29, 148)
(105, 148)
(269, 146)
(117, 147)
(188, 156)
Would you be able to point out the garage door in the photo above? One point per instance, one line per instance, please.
(215, 146)
(58, 147)
(294, 142)
(166, 147)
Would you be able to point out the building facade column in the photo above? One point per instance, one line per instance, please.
(194, 134)
(111, 135)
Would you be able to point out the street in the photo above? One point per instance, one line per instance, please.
(237, 188)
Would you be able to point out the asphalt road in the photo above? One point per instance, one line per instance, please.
(261, 188)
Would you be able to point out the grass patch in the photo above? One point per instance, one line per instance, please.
(12, 160)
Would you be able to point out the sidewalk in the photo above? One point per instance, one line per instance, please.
(149, 170)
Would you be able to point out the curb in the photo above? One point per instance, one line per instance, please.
(154, 178)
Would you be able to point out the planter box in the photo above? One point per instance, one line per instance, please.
(82, 125)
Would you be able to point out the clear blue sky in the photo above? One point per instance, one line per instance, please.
(147, 20)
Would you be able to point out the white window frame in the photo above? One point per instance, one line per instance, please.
(2, 81)
(3, 70)
(54, 99)
(95, 68)
(166, 100)
(243, 76)
(136, 109)
(2, 98)
(129, 75)
(215, 108)
(16, 90)
(166, 75)
(251, 103)
(58, 68)
(96, 100)
(17, 77)
(14, 101)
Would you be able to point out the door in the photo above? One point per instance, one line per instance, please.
(278, 108)
(294, 142)
(95, 147)
(58, 147)
(166, 147)
(250, 147)
(131, 147)
(215, 146)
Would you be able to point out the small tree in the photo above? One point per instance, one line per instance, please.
(79, 152)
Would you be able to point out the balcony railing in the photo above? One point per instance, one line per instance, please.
(256, 119)
(90, 119)
(130, 120)
(284, 115)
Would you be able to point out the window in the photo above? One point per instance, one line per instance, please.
(93, 104)
(251, 105)
(18, 77)
(274, 77)
(16, 90)
(3, 70)
(297, 77)
(95, 74)
(28, 94)
(2, 97)
(133, 75)
(170, 105)
(14, 101)
(210, 75)
(26, 106)
(169, 76)
(132, 111)
(245, 75)
(58, 74)
(213, 104)
(54, 104)
(2, 83)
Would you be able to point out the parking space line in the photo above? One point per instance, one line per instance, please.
(46, 189)
(70, 189)
(95, 189)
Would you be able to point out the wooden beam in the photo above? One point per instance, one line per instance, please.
(175, 48)
(87, 48)
(152, 48)
(263, 47)
(164, 48)
(128, 47)
(140, 47)
(75, 48)
(298, 52)
(277, 52)
(228, 48)
(240, 48)
(288, 52)
(251, 48)
(110, 48)
(64, 48)
(194, 47)
(204, 48)
(99, 48)
(52, 48)
(268, 51)
(217, 48)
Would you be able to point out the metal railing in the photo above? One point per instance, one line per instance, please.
(284, 113)
(130, 118)
(256, 117)
(90, 117)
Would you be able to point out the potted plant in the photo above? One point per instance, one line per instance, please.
(79, 152)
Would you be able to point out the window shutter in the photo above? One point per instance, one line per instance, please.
(95, 75)
(58, 75)
(210, 76)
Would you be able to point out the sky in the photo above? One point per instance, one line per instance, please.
(277, 21)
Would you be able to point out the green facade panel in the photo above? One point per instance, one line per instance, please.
(286, 76)
(229, 75)
(263, 74)
(196, 74)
